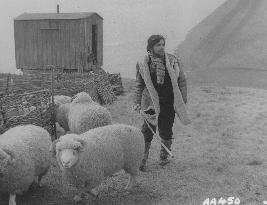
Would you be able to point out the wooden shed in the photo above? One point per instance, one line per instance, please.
(70, 41)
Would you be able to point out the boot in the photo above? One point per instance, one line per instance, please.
(164, 155)
(146, 153)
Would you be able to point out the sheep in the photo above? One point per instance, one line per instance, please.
(87, 159)
(62, 112)
(82, 114)
(83, 117)
(61, 103)
(60, 130)
(82, 97)
(24, 156)
(61, 99)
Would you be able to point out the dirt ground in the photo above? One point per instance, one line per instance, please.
(223, 153)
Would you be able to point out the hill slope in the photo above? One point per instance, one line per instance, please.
(233, 36)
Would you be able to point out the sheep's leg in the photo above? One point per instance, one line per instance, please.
(35, 180)
(12, 199)
(131, 182)
(39, 180)
(34, 183)
(41, 176)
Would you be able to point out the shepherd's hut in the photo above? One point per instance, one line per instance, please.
(72, 42)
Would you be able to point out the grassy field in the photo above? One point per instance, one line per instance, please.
(221, 154)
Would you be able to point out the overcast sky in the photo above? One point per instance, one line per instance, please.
(127, 25)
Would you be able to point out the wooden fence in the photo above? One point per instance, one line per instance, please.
(29, 98)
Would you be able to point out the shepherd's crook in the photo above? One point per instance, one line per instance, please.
(157, 136)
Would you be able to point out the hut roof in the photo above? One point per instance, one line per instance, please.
(42, 16)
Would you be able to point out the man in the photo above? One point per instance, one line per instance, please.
(160, 87)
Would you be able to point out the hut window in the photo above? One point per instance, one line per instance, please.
(49, 25)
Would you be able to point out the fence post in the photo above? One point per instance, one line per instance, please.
(53, 104)
(7, 82)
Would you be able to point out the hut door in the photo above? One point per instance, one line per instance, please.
(49, 43)
(94, 41)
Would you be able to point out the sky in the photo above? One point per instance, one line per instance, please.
(127, 25)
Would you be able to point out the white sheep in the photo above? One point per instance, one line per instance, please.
(60, 130)
(24, 155)
(61, 99)
(82, 114)
(61, 108)
(62, 113)
(88, 158)
(82, 97)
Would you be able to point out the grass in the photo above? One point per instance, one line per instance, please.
(221, 154)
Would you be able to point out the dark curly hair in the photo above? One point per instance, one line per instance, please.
(152, 40)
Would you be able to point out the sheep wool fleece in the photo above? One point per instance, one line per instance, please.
(61, 99)
(85, 116)
(107, 150)
(28, 147)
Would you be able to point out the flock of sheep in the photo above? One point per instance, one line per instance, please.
(89, 149)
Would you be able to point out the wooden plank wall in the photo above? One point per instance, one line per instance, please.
(36, 47)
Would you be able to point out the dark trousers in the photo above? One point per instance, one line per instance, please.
(165, 123)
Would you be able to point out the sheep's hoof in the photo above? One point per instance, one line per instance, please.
(77, 199)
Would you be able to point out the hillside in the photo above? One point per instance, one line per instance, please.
(233, 36)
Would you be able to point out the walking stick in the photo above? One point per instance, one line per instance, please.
(157, 136)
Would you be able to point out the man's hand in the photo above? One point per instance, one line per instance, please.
(137, 108)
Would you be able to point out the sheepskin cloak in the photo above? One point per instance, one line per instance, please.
(173, 70)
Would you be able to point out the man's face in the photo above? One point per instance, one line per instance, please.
(159, 48)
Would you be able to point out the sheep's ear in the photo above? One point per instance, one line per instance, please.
(53, 147)
(82, 144)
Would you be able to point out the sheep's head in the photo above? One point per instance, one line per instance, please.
(82, 97)
(61, 99)
(6, 159)
(62, 116)
(59, 130)
(68, 149)
(68, 157)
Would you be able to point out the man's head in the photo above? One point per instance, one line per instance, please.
(156, 44)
